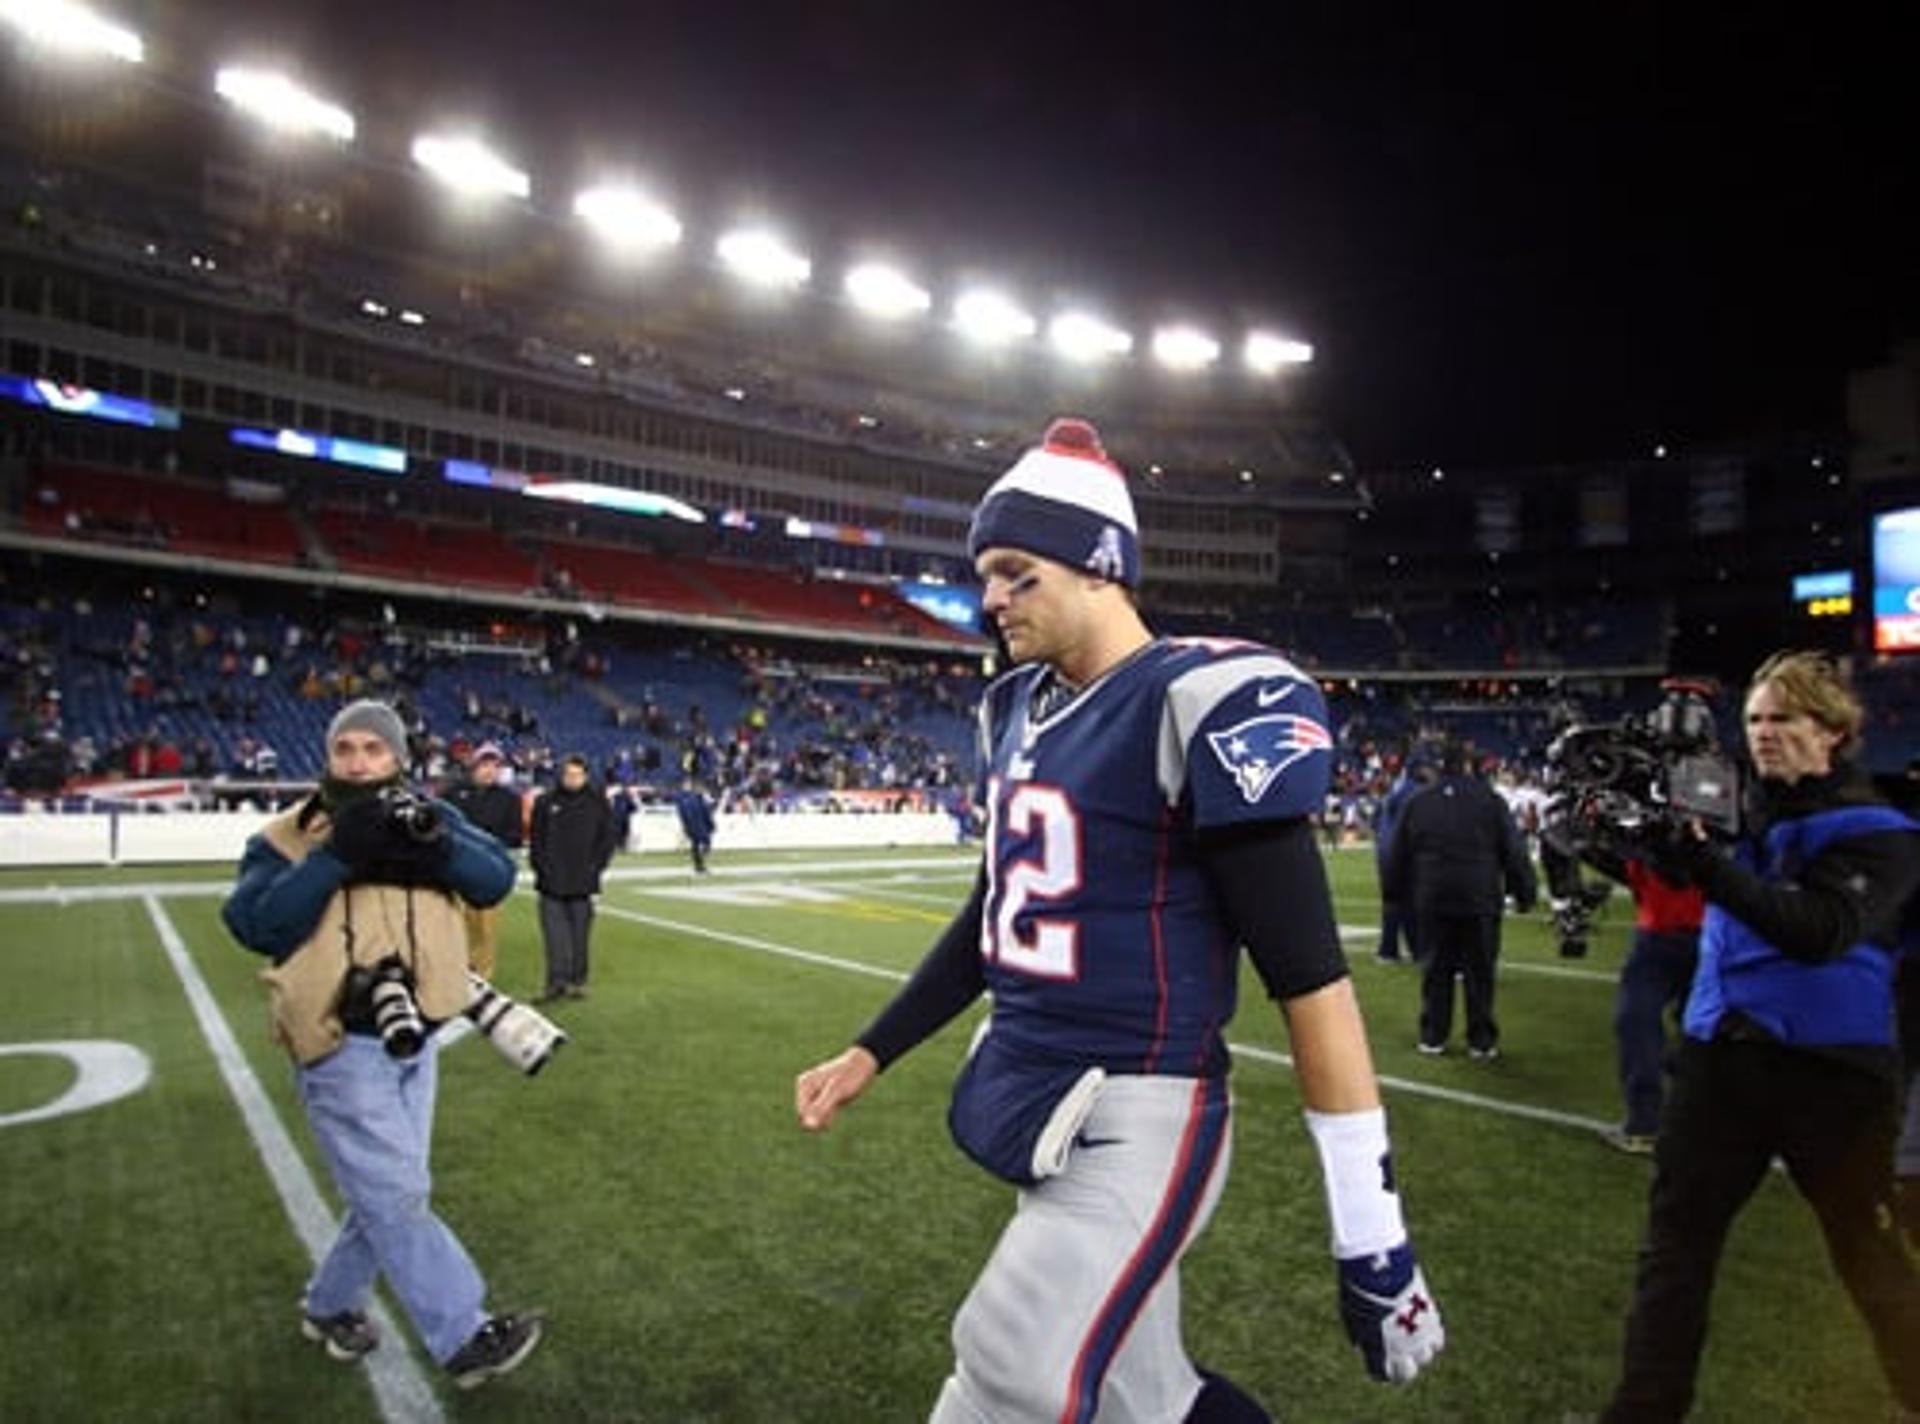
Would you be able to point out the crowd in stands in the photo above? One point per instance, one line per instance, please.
(152, 681)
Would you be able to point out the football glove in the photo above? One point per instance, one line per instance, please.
(1390, 1315)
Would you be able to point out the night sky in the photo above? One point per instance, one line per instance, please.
(1562, 233)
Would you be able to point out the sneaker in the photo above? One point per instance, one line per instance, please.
(501, 1345)
(1484, 1055)
(347, 1336)
(1637, 1144)
(1389, 958)
(1432, 1050)
(576, 991)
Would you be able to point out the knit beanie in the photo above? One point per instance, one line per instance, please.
(367, 715)
(1066, 501)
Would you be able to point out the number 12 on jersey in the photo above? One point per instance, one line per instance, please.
(1050, 870)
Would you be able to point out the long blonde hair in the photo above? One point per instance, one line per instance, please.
(1812, 683)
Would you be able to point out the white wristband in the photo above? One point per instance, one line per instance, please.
(1363, 1206)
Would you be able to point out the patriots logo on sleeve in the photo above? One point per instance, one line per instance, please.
(1257, 750)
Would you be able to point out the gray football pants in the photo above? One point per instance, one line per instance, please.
(1077, 1314)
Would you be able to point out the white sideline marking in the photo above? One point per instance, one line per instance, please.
(399, 1388)
(1261, 1055)
(757, 897)
(1501, 966)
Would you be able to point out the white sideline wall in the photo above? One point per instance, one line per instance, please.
(178, 837)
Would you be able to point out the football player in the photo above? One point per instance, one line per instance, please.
(1148, 805)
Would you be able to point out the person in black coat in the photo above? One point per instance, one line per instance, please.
(696, 823)
(496, 810)
(572, 841)
(1454, 856)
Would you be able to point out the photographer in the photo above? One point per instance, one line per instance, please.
(352, 895)
(1789, 1044)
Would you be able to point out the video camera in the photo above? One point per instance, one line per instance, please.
(1626, 785)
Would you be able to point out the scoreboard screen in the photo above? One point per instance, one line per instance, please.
(1896, 581)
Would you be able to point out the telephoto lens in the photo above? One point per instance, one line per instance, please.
(395, 1014)
(523, 1036)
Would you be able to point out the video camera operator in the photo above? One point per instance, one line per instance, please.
(353, 896)
(1789, 1038)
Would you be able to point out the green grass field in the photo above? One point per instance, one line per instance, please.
(704, 1260)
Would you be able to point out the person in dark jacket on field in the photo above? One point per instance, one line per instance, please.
(572, 841)
(496, 810)
(696, 823)
(1453, 857)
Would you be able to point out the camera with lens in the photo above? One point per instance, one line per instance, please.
(385, 994)
(1625, 786)
(414, 817)
(523, 1036)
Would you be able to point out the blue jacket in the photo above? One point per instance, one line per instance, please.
(277, 902)
(1826, 868)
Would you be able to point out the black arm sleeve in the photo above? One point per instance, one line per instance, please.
(948, 979)
(1273, 889)
(1854, 890)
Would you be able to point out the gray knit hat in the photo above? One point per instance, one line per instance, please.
(367, 715)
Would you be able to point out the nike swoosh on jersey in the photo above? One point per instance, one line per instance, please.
(1267, 696)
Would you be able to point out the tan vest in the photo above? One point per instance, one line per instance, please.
(304, 989)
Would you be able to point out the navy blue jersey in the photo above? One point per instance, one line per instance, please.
(1102, 940)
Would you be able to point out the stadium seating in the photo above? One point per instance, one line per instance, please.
(188, 517)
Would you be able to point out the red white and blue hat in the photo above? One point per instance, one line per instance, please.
(1066, 501)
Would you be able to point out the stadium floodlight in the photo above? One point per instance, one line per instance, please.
(469, 167)
(1081, 336)
(886, 292)
(1184, 348)
(1265, 353)
(760, 259)
(281, 104)
(990, 319)
(72, 31)
(627, 219)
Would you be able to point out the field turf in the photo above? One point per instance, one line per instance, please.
(704, 1260)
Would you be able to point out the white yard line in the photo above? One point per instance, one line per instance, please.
(399, 1387)
(761, 946)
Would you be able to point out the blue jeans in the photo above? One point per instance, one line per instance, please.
(1657, 975)
(372, 1116)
